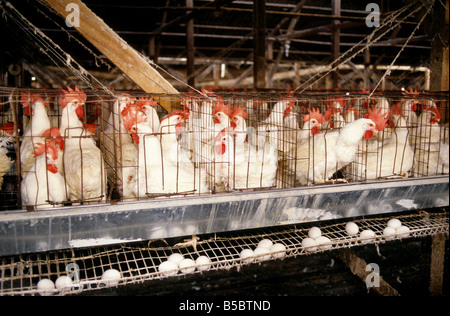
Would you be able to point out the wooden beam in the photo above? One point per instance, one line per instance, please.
(126, 58)
(259, 44)
(358, 267)
(190, 48)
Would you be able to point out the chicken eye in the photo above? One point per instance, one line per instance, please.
(313, 121)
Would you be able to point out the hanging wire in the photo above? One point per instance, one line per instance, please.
(388, 70)
(50, 48)
(370, 39)
(70, 36)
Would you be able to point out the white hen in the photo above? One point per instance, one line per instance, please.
(120, 152)
(395, 157)
(36, 108)
(245, 167)
(325, 153)
(44, 186)
(83, 165)
(430, 148)
(179, 170)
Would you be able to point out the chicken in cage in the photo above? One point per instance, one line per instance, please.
(89, 147)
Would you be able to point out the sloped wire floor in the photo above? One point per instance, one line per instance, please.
(138, 262)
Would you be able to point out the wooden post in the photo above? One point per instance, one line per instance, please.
(126, 58)
(439, 65)
(358, 267)
(259, 44)
(335, 40)
(190, 47)
(437, 264)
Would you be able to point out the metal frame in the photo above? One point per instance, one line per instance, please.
(83, 226)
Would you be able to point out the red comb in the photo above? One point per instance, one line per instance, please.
(314, 113)
(220, 106)
(39, 149)
(411, 92)
(182, 113)
(52, 150)
(396, 109)
(55, 136)
(28, 99)
(70, 95)
(132, 114)
(377, 117)
(239, 111)
(8, 128)
(146, 101)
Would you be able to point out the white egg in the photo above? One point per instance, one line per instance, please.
(45, 287)
(279, 250)
(265, 243)
(190, 229)
(323, 242)
(263, 254)
(111, 277)
(389, 233)
(203, 263)
(187, 266)
(168, 268)
(246, 253)
(176, 258)
(176, 231)
(63, 282)
(394, 223)
(309, 244)
(314, 232)
(403, 231)
(157, 233)
(367, 236)
(351, 228)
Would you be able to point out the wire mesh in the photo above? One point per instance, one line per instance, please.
(218, 142)
(141, 261)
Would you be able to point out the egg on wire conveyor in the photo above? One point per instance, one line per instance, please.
(45, 287)
(111, 277)
(351, 229)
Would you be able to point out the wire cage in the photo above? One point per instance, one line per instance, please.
(100, 267)
(126, 146)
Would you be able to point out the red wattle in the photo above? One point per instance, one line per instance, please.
(52, 168)
(368, 135)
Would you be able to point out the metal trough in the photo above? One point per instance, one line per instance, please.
(85, 226)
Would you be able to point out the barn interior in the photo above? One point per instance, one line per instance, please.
(183, 56)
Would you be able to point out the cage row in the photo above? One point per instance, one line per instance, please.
(75, 147)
